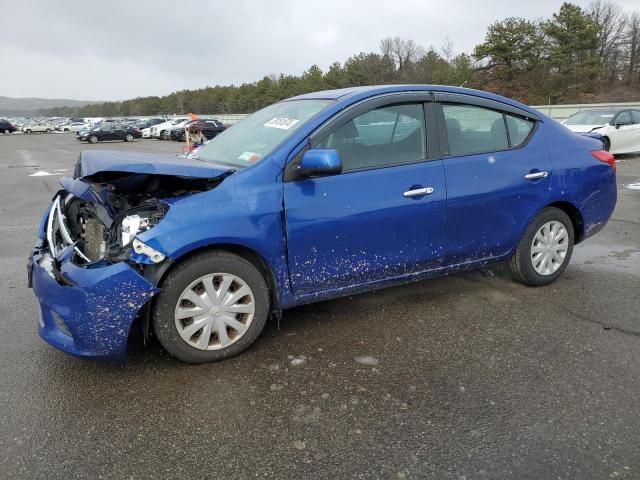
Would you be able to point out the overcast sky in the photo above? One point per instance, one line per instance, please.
(119, 49)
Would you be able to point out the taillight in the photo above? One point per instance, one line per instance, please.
(605, 157)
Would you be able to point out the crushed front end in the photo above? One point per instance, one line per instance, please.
(88, 270)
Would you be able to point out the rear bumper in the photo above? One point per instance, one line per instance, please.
(87, 312)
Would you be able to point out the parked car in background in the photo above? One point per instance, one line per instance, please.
(619, 127)
(149, 122)
(146, 132)
(110, 131)
(74, 127)
(7, 127)
(319, 196)
(161, 130)
(40, 127)
(210, 128)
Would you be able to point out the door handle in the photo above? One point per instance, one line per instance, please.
(536, 175)
(418, 192)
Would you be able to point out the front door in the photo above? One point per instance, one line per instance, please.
(383, 217)
(626, 136)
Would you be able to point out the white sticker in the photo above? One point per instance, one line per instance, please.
(281, 123)
(250, 157)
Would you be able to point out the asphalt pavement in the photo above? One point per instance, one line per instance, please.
(467, 376)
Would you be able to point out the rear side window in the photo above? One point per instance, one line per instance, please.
(519, 129)
(473, 129)
(381, 137)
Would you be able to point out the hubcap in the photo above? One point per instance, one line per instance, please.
(549, 248)
(215, 311)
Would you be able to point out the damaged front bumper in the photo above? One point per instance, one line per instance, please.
(85, 311)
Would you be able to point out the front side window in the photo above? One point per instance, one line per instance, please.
(381, 137)
(254, 137)
(472, 129)
(624, 118)
(635, 116)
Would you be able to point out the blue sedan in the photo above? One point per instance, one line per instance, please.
(315, 197)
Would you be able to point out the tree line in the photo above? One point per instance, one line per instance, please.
(577, 55)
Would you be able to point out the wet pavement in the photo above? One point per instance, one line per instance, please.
(468, 376)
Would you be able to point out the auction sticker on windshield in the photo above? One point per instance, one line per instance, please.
(250, 157)
(281, 123)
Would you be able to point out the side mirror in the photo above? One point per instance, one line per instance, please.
(318, 163)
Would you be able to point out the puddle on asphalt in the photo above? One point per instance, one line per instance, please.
(590, 256)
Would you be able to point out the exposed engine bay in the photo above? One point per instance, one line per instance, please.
(100, 215)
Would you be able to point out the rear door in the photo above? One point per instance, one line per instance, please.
(106, 132)
(119, 131)
(383, 216)
(497, 172)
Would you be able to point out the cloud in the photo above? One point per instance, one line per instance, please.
(122, 49)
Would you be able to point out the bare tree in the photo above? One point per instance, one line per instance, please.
(447, 49)
(403, 52)
(611, 22)
(633, 50)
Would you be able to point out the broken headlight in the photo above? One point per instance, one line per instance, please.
(131, 225)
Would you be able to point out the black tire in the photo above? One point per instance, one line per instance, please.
(92, 139)
(606, 144)
(128, 137)
(521, 264)
(6, 131)
(181, 277)
(28, 131)
(163, 135)
(48, 130)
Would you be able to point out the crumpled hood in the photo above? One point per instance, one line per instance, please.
(92, 162)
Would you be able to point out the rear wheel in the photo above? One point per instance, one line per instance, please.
(212, 307)
(545, 248)
(28, 131)
(93, 139)
(48, 130)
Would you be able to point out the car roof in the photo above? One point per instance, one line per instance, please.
(353, 94)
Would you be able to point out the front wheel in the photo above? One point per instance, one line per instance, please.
(48, 130)
(128, 138)
(93, 139)
(545, 248)
(212, 307)
(6, 131)
(28, 131)
(606, 144)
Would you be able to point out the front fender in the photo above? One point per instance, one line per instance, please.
(244, 210)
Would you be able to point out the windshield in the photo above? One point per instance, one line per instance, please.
(251, 139)
(591, 117)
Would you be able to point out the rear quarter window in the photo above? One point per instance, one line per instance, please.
(519, 129)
